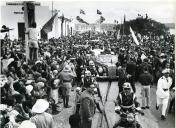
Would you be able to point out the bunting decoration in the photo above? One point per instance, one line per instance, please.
(49, 25)
(99, 12)
(81, 20)
(82, 12)
(134, 37)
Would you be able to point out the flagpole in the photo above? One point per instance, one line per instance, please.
(62, 20)
(65, 28)
(100, 24)
(26, 27)
(52, 8)
(123, 29)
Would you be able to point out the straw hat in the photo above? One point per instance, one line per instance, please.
(67, 68)
(3, 107)
(55, 72)
(166, 71)
(29, 88)
(30, 77)
(40, 106)
(27, 124)
(29, 82)
(40, 84)
(78, 89)
(38, 62)
(162, 54)
(41, 79)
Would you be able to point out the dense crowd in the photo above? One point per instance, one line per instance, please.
(23, 83)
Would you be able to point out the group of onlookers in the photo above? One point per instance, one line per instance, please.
(31, 87)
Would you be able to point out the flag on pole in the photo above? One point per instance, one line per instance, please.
(99, 12)
(115, 21)
(82, 12)
(134, 37)
(49, 25)
(81, 20)
(102, 19)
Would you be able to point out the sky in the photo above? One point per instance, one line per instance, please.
(160, 10)
(115, 10)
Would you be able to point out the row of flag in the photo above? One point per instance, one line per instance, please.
(49, 25)
(100, 20)
(83, 12)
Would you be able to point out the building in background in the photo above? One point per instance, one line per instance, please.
(105, 27)
(12, 16)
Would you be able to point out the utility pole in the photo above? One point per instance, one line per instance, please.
(62, 21)
(65, 28)
(26, 27)
(52, 8)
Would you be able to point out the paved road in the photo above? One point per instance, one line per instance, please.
(62, 119)
(150, 120)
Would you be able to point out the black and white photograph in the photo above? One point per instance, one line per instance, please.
(87, 64)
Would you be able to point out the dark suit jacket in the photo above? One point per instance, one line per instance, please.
(122, 75)
(87, 105)
(131, 68)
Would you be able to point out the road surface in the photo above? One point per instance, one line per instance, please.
(150, 120)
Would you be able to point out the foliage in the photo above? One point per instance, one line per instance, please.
(144, 26)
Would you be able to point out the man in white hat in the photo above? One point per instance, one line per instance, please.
(42, 119)
(162, 93)
(27, 124)
(29, 89)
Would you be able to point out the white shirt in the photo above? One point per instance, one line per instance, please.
(33, 34)
(163, 83)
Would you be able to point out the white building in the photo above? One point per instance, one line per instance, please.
(13, 17)
(104, 27)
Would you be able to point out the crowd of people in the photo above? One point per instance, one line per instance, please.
(31, 90)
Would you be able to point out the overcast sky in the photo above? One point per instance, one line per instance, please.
(163, 11)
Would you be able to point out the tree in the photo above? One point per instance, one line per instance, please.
(144, 26)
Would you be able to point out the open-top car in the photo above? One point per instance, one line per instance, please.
(106, 66)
